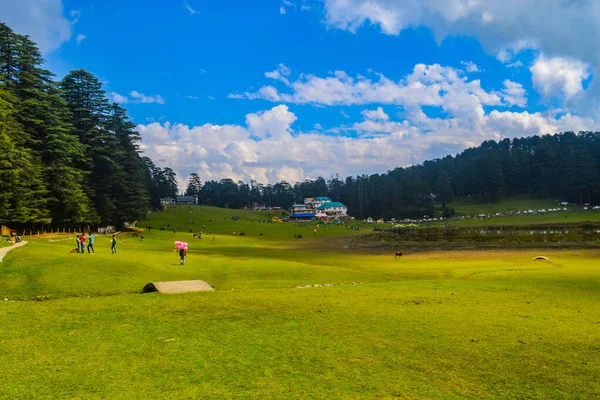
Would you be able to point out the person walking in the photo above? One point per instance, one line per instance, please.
(78, 244)
(182, 254)
(82, 241)
(91, 244)
(113, 246)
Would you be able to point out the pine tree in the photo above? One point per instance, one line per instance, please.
(128, 183)
(89, 117)
(194, 185)
(22, 189)
(43, 115)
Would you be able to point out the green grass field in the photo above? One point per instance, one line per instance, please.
(437, 325)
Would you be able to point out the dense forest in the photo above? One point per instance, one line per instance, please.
(564, 166)
(69, 156)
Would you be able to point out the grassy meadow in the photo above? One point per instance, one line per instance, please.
(432, 325)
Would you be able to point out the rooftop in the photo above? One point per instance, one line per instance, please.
(331, 204)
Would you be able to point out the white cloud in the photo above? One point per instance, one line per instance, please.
(137, 97)
(514, 94)
(516, 64)
(344, 114)
(267, 149)
(282, 10)
(427, 85)
(280, 74)
(470, 67)
(80, 38)
(43, 20)
(142, 98)
(376, 115)
(187, 6)
(559, 76)
(556, 27)
(192, 97)
(318, 126)
(274, 123)
(117, 98)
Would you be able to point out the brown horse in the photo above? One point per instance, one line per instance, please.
(399, 254)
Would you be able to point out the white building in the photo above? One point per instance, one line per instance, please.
(187, 200)
(333, 209)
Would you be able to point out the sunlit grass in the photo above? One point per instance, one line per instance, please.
(435, 325)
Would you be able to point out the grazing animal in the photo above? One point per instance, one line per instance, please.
(135, 234)
(242, 233)
(261, 234)
(399, 254)
(233, 233)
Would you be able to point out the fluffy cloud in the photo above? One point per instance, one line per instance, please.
(559, 76)
(142, 98)
(267, 149)
(281, 74)
(136, 97)
(427, 85)
(470, 67)
(43, 20)
(514, 94)
(557, 27)
(117, 98)
(377, 115)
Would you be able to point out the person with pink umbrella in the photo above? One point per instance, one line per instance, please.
(183, 247)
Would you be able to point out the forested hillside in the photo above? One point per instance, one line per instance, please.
(563, 166)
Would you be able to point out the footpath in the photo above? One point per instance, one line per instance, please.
(4, 251)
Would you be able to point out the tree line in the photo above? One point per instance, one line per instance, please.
(563, 166)
(67, 154)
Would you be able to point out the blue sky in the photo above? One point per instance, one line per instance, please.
(293, 89)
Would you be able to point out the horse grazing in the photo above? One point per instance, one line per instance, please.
(242, 233)
(399, 254)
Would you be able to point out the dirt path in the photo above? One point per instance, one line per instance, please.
(4, 251)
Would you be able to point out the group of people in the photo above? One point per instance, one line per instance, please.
(90, 244)
(81, 244)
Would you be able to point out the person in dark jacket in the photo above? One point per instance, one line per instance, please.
(182, 255)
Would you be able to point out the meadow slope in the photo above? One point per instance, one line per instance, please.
(450, 325)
